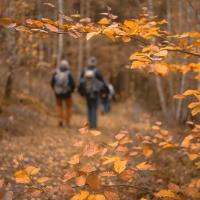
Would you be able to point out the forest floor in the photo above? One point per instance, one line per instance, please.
(32, 138)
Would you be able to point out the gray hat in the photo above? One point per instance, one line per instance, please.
(64, 65)
(92, 61)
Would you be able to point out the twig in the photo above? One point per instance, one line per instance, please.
(130, 186)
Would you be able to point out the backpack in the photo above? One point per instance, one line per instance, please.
(92, 84)
(62, 82)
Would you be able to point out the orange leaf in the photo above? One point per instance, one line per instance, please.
(168, 194)
(74, 160)
(120, 166)
(144, 166)
(22, 177)
(52, 28)
(93, 181)
(80, 181)
(104, 21)
(43, 179)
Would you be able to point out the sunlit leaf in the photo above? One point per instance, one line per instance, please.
(167, 193)
(145, 166)
(104, 21)
(42, 179)
(120, 165)
(91, 35)
(22, 177)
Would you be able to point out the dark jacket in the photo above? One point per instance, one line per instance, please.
(98, 75)
(71, 85)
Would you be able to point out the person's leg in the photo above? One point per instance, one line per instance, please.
(68, 113)
(59, 110)
(94, 103)
(89, 110)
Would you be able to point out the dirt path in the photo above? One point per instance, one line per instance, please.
(49, 147)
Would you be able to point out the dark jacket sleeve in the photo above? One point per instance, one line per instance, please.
(99, 76)
(71, 82)
(53, 80)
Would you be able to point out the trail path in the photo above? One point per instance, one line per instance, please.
(49, 147)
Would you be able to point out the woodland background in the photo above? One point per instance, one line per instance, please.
(147, 148)
(34, 59)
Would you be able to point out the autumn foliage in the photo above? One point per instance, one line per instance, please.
(132, 164)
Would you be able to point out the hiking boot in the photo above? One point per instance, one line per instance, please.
(60, 124)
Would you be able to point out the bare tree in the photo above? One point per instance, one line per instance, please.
(157, 78)
(60, 37)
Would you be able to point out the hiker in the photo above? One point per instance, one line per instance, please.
(90, 86)
(106, 97)
(63, 86)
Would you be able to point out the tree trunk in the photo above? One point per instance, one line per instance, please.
(12, 50)
(170, 80)
(60, 37)
(88, 44)
(157, 78)
(41, 46)
(183, 76)
(81, 42)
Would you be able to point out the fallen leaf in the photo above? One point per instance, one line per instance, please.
(120, 165)
(42, 179)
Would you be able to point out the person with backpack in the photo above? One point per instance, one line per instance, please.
(63, 86)
(90, 86)
(107, 95)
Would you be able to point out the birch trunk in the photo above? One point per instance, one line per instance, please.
(60, 37)
(170, 81)
(183, 76)
(81, 42)
(157, 78)
(88, 44)
(12, 51)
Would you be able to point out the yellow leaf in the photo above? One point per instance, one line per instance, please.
(81, 196)
(81, 180)
(126, 39)
(7, 22)
(110, 160)
(100, 197)
(131, 24)
(138, 64)
(179, 96)
(168, 194)
(145, 166)
(161, 69)
(84, 195)
(23, 29)
(104, 21)
(191, 92)
(52, 28)
(22, 177)
(109, 32)
(120, 166)
(193, 105)
(113, 144)
(92, 197)
(95, 133)
(196, 110)
(147, 151)
(31, 170)
(186, 141)
(42, 179)
(91, 35)
(162, 53)
(193, 156)
(74, 160)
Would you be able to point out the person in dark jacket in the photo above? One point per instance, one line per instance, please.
(90, 86)
(63, 86)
